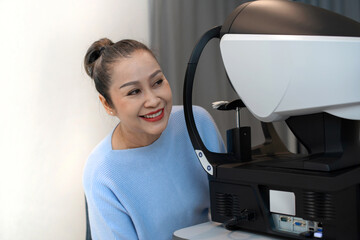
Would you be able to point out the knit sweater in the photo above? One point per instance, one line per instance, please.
(152, 191)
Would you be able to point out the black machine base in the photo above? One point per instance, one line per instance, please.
(326, 205)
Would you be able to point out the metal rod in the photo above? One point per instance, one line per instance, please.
(238, 117)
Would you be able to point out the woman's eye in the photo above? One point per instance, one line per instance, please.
(158, 82)
(133, 92)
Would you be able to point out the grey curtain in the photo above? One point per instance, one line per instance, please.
(176, 25)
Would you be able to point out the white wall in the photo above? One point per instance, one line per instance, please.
(51, 117)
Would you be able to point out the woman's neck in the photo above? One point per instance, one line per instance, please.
(122, 138)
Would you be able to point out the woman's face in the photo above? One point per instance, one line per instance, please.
(141, 95)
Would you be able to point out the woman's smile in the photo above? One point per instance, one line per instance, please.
(154, 116)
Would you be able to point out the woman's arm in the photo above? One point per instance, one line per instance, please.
(108, 218)
(208, 130)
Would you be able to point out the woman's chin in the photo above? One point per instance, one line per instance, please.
(157, 131)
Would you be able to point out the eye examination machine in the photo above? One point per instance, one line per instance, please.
(297, 63)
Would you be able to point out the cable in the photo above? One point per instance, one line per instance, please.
(235, 222)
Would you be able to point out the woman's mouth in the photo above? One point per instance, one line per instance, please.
(154, 116)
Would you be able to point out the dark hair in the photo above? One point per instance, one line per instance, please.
(101, 56)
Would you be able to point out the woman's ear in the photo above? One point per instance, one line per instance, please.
(106, 105)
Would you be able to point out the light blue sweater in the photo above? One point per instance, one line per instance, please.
(150, 192)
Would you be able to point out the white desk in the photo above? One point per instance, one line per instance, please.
(214, 231)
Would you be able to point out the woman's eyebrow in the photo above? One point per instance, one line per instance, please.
(137, 82)
(154, 73)
(129, 83)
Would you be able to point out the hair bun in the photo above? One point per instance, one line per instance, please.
(93, 54)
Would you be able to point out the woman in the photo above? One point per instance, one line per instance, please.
(143, 181)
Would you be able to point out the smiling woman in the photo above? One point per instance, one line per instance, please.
(143, 181)
(139, 93)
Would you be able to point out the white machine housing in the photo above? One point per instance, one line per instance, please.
(278, 76)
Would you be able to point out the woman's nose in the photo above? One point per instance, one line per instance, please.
(152, 100)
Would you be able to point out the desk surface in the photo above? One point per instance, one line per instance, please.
(214, 231)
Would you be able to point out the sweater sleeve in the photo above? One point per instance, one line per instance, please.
(208, 130)
(108, 218)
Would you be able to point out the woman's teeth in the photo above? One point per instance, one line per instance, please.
(153, 115)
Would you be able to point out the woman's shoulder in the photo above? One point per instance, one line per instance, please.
(97, 158)
(205, 124)
(177, 116)
(201, 115)
(102, 148)
(178, 110)
(203, 119)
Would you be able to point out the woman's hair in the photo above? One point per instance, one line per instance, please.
(100, 58)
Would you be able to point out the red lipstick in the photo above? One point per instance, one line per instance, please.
(154, 116)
